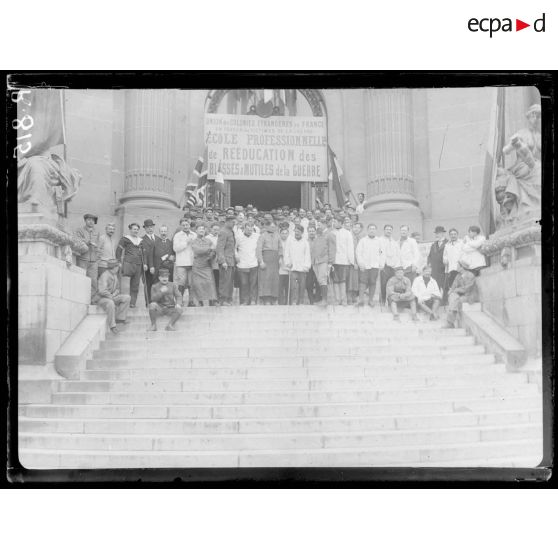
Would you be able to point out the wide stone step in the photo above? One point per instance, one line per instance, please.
(455, 404)
(278, 425)
(283, 372)
(191, 331)
(332, 457)
(470, 379)
(242, 441)
(303, 343)
(289, 397)
(286, 361)
(182, 352)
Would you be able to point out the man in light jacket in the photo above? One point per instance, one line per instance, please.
(344, 257)
(409, 253)
(247, 265)
(182, 246)
(298, 262)
(322, 256)
(370, 260)
(428, 294)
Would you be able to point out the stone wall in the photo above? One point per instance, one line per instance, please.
(512, 295)
(52, 301)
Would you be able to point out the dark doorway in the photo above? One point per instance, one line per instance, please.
(265, 195)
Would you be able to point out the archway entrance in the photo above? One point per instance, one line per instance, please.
(265, 195)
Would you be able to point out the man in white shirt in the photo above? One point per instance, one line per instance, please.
(344, 257)
(370, 260)
(181, 244)
(392, 259)
(451, 257)
(298, 262)
(409, 252)
(107, 248)
(247, 265)
(427, 292)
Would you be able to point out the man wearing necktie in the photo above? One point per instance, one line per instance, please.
(147, 243)
(163, 254)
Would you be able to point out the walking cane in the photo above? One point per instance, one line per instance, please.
(145, 294)
(289, 290)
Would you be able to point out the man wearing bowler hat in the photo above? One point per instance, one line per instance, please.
(87, 238)
(108, 296)
(436, 256)
(148, 243)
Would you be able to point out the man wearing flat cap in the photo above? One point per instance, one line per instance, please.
(148, 244)
(436, 256)
(87, 240)
(108, 296)
(166, 300)
(464, 289)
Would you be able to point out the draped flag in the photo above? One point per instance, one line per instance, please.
(194, 193)
(41, 112)
(494, 157)
(338, 181)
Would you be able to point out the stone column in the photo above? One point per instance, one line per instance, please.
(390, 157)
(149, 136)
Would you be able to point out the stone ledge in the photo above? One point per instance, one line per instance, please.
(493, 336)
(79, 346)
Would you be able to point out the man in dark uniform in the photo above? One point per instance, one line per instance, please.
(163, 254)
(147, 244)
(166, 299)
(226, 260)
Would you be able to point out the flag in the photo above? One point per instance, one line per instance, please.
(194, 192)
(494, 157)
(41, 116)
(338, 180)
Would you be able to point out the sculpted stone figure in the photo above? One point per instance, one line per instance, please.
(48, 182)
(518, 188)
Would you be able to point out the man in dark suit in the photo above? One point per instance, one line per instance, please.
(163, 254)
(436, 256)
(147, 244)
(226, 260)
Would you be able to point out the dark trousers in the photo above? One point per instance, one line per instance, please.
(226, 282)
(313, 287)
(248, 285)
(283, 289)
(298, 284)
(134, 282)
(216, 279)
(149, 280)
(367, 280)
(385, 275)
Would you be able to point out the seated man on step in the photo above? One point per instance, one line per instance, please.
(108, 296)
(428, 294)
(463, 289)
(165, 299)
(400, 295)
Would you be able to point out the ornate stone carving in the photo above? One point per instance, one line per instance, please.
(313, 96)
(44, 232)
(521, 237)
(518, 187)
(48, 183)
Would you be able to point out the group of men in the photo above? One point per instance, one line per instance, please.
(274, 257)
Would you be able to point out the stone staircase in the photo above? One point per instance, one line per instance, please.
(276, 386)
